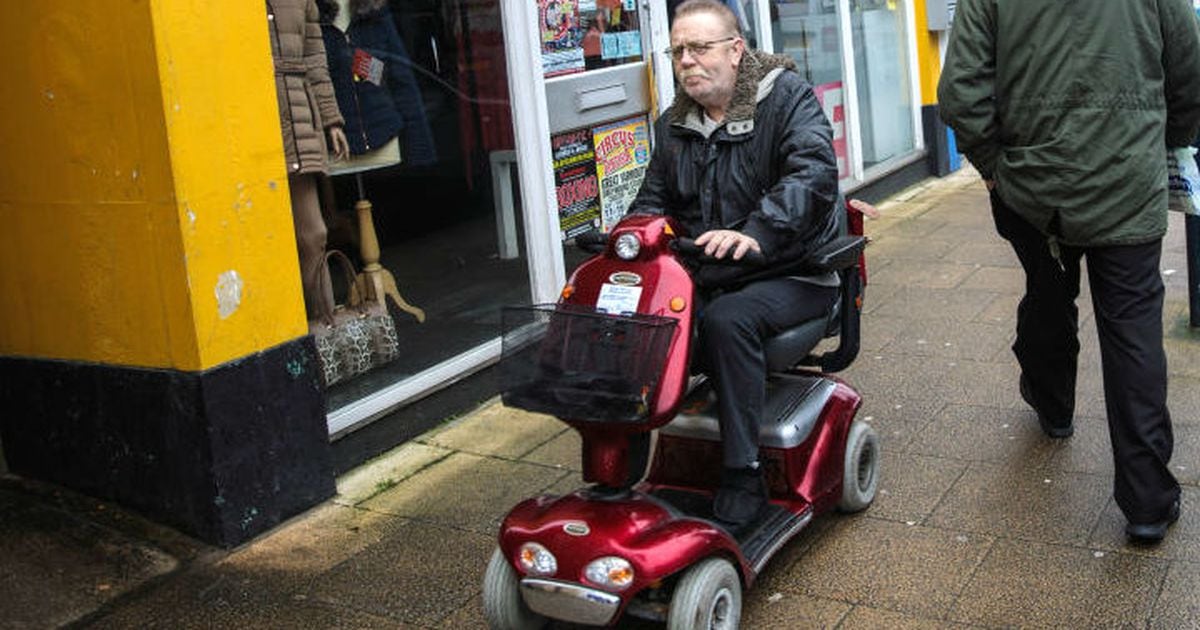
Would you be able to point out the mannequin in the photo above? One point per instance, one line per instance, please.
(301, 80)
(388, 154)
(377, 94)
(375, 86)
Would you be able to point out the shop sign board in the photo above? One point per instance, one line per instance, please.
(622, 152)
(575, 182)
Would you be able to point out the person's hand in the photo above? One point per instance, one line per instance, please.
(717, 243)
(864, 208)
(338, 143)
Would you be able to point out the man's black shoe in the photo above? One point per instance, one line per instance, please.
(741, 497)
(1057, 429)
(1153, 533)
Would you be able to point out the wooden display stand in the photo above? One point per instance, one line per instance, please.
(375, 282)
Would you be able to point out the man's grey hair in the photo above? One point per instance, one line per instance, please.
(715, 7)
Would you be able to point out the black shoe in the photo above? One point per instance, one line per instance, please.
(1153, 533)
(741, 497)
(1057, 429)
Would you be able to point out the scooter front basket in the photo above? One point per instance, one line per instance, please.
(577, 363)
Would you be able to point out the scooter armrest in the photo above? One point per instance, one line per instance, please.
(836, 255)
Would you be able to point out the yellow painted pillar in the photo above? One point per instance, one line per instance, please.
(929, 60)
(153, 322)
(146, 211)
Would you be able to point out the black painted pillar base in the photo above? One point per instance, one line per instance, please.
(222, 455)
(939, 143)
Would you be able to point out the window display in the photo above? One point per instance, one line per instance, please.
(423, 88)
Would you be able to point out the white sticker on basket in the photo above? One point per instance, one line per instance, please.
(617, 299)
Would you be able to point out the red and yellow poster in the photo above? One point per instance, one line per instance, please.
(622, 152)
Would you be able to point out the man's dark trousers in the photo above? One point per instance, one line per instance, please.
(1127, 298)
(733, 327)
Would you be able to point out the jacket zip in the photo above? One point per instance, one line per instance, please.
(362, 123)
(278, 54)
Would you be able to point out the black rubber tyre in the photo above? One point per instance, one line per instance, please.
(708, 597)
(503, 607)
(860, 472)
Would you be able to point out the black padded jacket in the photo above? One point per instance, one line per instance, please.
(769, 171)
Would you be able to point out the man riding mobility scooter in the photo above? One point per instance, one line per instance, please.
(611, 359)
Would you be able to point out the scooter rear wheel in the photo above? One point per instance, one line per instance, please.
(708, 597)
(860, 473)
(503, 606)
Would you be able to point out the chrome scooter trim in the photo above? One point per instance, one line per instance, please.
(569, 602)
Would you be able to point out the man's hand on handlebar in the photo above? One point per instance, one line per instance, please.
(718, 243)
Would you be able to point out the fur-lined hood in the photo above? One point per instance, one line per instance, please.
(358, 8)
(756, 76)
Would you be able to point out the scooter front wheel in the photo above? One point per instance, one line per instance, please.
(503, 606)
(860, 472)
(708, 597)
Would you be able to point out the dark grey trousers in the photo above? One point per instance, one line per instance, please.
(733, 327)
(1127, 298)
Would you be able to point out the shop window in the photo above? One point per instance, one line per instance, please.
(442, 187)
(878, 30)
(808, 31)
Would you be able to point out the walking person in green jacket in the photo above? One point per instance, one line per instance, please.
(1066, 108)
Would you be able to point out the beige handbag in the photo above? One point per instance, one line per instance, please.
(353, 338)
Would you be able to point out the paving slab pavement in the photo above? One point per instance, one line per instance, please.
(980, 521)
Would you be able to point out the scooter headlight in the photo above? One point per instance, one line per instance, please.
(610, 571)
(627, 246)
(537, 560)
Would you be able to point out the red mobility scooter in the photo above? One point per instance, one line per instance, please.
(611, 359)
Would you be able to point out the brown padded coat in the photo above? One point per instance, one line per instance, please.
(307, 106)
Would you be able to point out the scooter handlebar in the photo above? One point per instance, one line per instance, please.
(592, 242)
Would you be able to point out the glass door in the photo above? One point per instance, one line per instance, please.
(598, 74)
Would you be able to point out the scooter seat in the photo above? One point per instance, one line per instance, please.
(791, 346)
(793, 405)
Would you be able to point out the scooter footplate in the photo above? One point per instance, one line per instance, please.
(771, 532)
(760, 540)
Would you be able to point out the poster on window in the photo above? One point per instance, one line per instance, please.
(575, 182)
(622, 153)
(562, 35)
(830, 95)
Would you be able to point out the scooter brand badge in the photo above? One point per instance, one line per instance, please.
(627, 278)
(577, 528)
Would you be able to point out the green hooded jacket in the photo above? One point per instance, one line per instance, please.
(1070, 105)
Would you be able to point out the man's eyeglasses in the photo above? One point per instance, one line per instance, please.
(697, 49)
